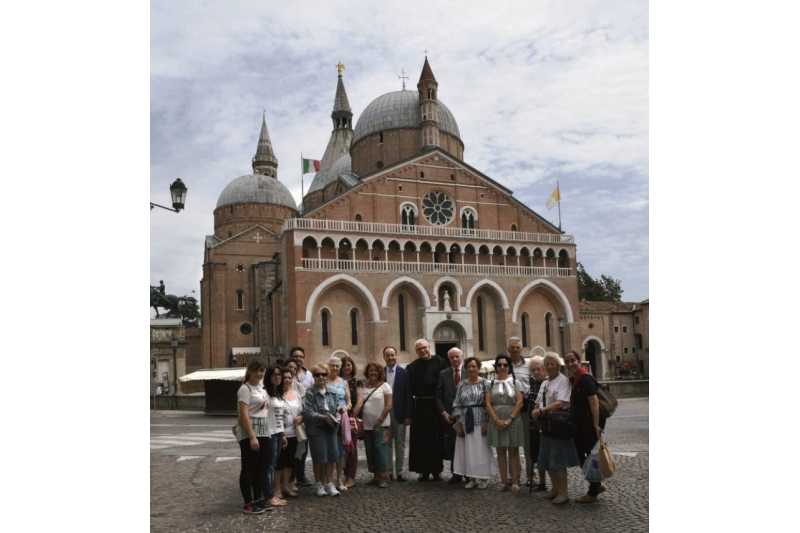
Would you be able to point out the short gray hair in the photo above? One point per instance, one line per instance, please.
(334, 359)
(514, 339)
(551, 355)
(535, 359)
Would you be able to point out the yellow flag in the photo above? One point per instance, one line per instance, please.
(554, 199)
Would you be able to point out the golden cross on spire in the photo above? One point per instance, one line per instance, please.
(340, 67)
(403, 77)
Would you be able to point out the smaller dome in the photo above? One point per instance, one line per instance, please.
(258, 189)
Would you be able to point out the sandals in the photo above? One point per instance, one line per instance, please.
(559, 501)
(550, 495)
(277, 502)
(514, 488)
(501, 487)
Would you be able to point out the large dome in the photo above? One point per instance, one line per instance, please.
(399, 109)
(256, 188)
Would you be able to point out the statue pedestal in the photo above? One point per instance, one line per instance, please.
(162, 357)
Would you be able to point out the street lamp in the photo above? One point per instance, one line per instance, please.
(178, 192)
(175, 364)
(561, 323)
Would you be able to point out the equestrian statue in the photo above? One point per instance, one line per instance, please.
(169, 302)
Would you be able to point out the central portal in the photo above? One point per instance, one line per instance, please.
(445, 337)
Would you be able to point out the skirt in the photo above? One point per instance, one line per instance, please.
(556, 453)
(512, 436)
(324, 448)
(473, 456)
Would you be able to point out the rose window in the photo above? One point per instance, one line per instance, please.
(438, 208)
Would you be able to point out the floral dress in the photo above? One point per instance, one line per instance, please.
(503, 401)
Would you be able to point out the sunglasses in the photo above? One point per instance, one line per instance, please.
(501, 365)
(320, 374)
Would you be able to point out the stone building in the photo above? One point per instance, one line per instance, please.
(616, 337)
(397, 238)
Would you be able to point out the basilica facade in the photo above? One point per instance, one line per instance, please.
(397, 238)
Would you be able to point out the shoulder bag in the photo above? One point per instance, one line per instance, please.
(556, 423)
(608, 403)
(606, 461)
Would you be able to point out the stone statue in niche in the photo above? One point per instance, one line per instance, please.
(446, 297)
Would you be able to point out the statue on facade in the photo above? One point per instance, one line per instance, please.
(169, 302)
(447, 300)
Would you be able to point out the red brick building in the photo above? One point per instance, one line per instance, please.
(397, 238)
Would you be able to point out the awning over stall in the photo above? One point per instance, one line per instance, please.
(195, 382)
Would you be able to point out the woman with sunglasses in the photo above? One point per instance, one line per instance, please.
(503, 404)
(322, 424)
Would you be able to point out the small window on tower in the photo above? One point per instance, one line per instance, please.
(240, 268)
(380, 138)
(452, 177)
(422, 175)
(400, 188)
(380, 164)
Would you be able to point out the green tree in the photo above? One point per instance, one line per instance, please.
(187, 305)
(605, 289)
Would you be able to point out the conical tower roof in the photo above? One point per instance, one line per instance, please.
(427, 73)
(265, 162)
(340, 102)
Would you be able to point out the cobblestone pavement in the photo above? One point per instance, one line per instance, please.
(195, 488)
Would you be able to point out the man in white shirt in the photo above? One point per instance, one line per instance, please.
(522, 373)
(400, 415)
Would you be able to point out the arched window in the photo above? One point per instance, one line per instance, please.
(354, 327)
(524, 330)
(468, 218)
(480, 324)
(547, 320)
(401, 308)
(325, 326)
(408, 216)
(240, 300)
(380, 138)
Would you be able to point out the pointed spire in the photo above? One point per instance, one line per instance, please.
(342, 115)
(265, 161)
(427, 73)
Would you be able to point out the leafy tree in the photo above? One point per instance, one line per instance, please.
(605, 289)
(187, 305)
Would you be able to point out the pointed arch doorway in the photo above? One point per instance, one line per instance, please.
(447, 335)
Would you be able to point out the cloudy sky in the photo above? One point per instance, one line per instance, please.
(542, 91)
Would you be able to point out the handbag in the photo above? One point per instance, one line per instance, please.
(556, 423)
(608, 403)
(605, 460)
(300, 431)
(346, 435)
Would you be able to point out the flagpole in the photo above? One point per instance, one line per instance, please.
(558, 188)
(302, 188)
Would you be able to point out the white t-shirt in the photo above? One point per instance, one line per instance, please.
(292, 409)
(373, 408)
(255, 397)
(557, 389)
(275, 415)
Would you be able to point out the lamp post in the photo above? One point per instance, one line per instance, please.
(175, 365)
(561, 323)
(178, 192)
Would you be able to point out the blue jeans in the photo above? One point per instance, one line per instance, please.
(377, 450)
(275, 443)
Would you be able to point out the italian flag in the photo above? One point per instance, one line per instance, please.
(310, 165)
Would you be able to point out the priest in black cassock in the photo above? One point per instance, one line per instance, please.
(426, 451)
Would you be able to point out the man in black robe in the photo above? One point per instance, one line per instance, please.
(425, 455)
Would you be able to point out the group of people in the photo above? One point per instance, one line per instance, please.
(452, 411)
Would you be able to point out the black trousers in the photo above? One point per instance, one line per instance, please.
(253, 477)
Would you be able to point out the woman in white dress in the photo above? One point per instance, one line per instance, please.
(292, 417)
(473, 457)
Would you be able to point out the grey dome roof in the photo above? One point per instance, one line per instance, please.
(256, 188)
(399, 109)
(321, 180)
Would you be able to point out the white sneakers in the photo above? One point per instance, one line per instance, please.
(482, 484)
(320, 490)
(471, 484)
(331, 489)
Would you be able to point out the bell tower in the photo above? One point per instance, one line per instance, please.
(428, 107)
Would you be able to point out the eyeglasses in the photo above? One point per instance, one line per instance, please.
(501, 365)
(320, 374)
